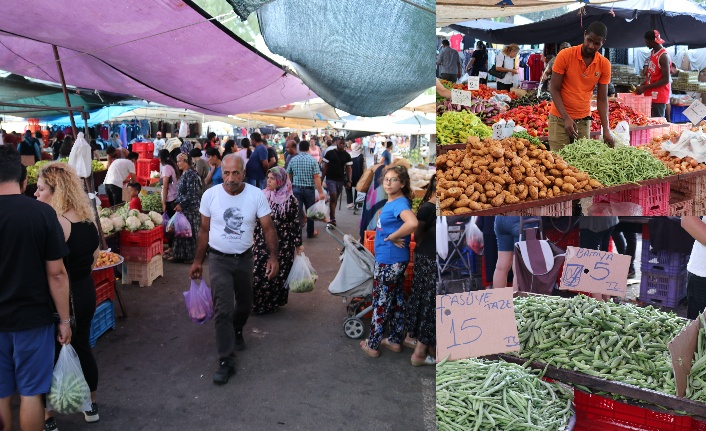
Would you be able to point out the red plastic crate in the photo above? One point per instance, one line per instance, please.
(141, 238)
(142, 168)
(142, 254)
(102, 275)
(594, 412)
(408, 276)
(144, 149)
(369, 241)
(105, 291)
(638, 103)
(653, 199)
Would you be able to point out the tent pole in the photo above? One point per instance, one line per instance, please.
(63, 88)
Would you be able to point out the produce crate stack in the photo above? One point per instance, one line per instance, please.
(145, 163)
(559, 209)
(104, 281)
(663, 276)
(688, 81)
(653, 199)
(622, 74)
(680, 204)
(142, 251)
(696, 187)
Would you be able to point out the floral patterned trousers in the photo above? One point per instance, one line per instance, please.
(388, 303)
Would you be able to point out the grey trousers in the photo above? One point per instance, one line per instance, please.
(231, 288)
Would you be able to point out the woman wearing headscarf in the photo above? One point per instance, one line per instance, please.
(358, 160)
(187, 202)
(269, 295)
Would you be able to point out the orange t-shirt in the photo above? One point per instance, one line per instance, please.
(579, 80)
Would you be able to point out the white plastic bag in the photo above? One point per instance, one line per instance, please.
(80, 157)
(302, 276)
(319, 212)
(442, 237)
(621, 134)
(474, 237)
(69, 391)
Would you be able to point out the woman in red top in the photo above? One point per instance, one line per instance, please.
(657, 84)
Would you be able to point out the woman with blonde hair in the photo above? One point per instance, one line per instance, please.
(59, 186)
(505, 62)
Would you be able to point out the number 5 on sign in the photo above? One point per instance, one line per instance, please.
(473, 324)
(595, 271)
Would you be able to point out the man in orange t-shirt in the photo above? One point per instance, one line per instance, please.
(575, 73)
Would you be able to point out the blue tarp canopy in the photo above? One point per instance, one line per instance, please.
(97, 116)
(680, 22)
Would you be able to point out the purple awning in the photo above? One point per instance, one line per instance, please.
(126, 47)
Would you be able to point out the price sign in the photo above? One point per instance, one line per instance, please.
(460, 97)
(473, 324)
(474, 82)
(595, 271)
(695, 112)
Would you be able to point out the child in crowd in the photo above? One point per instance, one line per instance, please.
(135, 202)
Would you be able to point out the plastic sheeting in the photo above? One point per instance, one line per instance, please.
(245, 7)
(679, 22)
(127, 47)
(366, 58)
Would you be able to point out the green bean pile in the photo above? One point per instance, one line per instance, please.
(613, 166)
(474, 394)
(696, 387)
(619, 342)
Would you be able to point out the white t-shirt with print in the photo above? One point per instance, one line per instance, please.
(167, 171)
(233, 218)
(158, 145)
(118, 171)
(697, 260)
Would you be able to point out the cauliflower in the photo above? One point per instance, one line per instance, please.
(118, 222)
(106, 224)
(132, 223)
(156, 218)
(147, 225)
(135, 213)
(143, 217)
(104, 212)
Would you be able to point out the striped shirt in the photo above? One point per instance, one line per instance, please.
(303, 167)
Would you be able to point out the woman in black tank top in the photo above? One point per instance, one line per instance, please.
(59, 186)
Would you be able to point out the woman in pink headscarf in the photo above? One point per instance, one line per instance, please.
(269, 295)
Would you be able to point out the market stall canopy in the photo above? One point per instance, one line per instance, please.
(167, 52)
(365, 57)
(681, 22)
(455, 11)
(400, 122)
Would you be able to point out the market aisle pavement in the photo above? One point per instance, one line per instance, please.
(298, 372)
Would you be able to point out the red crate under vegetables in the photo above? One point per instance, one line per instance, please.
(105, 291)
(142, 254)
(141, 238)
(594, 412)
(653, 199)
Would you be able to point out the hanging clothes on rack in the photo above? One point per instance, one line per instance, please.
(536, 67)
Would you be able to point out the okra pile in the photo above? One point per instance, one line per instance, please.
(474, 394)
(619, 342)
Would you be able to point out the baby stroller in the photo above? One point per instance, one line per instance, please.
(354, 280)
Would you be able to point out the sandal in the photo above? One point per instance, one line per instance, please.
(369, 350)
(427, 361)
(391, 346)
(410, 342)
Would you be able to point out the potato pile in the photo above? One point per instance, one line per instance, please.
(677, 165)
(493, 173)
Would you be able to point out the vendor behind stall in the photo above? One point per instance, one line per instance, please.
(656, 84)
(576, 72)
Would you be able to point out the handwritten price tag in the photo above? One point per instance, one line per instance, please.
(460, 97)
(595, 271)
(473, 324)
(695, 112)
(473, 82)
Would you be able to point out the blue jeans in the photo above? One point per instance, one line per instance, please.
(306, 198)
(261, 184)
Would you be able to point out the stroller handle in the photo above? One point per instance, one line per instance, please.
(335, 233)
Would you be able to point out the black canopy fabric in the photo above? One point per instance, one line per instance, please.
(680, 22)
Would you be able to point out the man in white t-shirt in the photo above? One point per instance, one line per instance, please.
(229, 214)
(120, 172)
(158, 144)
